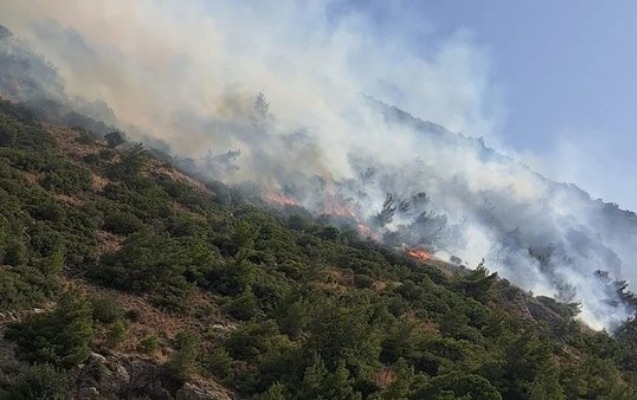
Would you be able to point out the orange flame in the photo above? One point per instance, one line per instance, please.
(420, 254)
(368, 232)
(281, 199)
(331, 206)
(334, 206)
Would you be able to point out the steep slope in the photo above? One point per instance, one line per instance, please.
(398, 179)
(139, 281)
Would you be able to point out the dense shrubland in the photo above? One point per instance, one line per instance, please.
(319, 311)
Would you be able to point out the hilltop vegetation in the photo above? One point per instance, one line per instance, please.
(106, 248)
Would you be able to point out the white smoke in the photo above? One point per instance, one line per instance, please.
(188, 72)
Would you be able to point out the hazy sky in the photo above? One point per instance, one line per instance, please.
(564, 74)
(551, 82)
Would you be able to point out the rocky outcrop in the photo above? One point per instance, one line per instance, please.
(107, 377)
(192, 392)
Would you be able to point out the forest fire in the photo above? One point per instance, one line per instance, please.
(419, 254)
(368, 232)
(281, 199)
(333, 205)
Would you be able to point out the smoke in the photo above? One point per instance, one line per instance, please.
(189, 74)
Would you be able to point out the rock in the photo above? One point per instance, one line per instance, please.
(192, 392)
(97, 357)
(88, 393)
(122, 374)
(149, 380)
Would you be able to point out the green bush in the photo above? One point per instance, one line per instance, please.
(183, 362)
(40, 381)
(243, 307)
(363, 281)
(105, 309)
(116, 334)
(122, 223)
(149, 344)
(15, 253)
(219, 363)
(24, 287)
(60, 337)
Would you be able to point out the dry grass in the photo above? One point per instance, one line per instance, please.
(109, 242)
(67, 143)
(152, 321)
(384, 377)
(71, 200)
(422, 324)
(159, 167)
(99, 182)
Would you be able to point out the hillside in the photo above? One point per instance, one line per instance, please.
(368, 165)
(122, 277)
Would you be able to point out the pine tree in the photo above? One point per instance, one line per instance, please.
(60, 337)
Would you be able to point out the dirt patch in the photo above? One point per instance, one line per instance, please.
(156, 166)
(384, 377)
(109, 242)
(422, 324)
(31, 179)
(72, 200)
(66, 140)
(99, 182)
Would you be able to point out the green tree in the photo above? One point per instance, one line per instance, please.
(547, 385)
(149, 344)
(475, 386)
(53, 264)
(401, 388)
(276, 392)
(243, 307)
(116, 334)
(105, 309)
(338, 385)
(15, 253)
(184, 360)
(60, 337)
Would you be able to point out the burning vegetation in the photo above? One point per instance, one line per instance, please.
(419, 254)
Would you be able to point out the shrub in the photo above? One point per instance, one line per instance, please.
(60, 337)
(149, 344)
(243, 307)
(183, 362)
(122, 223)
(15, 253)
(219, 363)
(40, 381)
(114, 139)
(116, 334)
(133, 315)
(105, 309)
(363, 281)
(85, 138)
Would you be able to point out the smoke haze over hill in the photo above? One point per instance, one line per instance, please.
(188, 77)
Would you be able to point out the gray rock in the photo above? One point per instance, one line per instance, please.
(122, 374)
(88, 393)
(192, 392)
(97, 357)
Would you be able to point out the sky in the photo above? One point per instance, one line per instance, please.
(548, 82)
(566, 77)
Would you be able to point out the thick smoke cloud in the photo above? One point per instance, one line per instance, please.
(188, 74)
